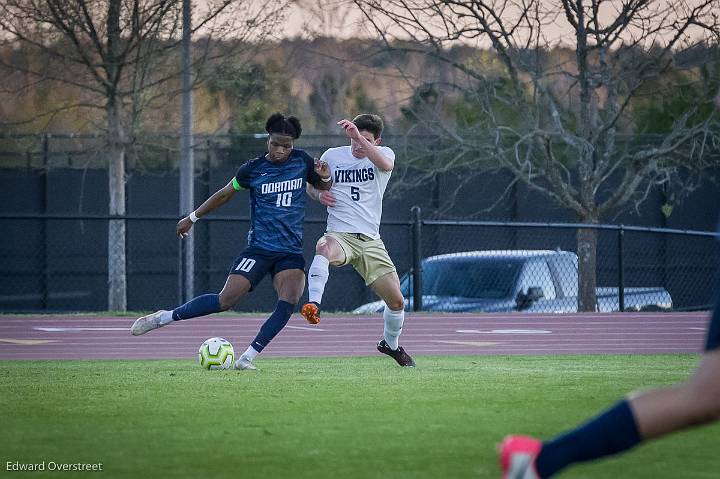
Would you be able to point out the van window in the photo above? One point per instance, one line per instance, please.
(565, 269)
(468, 277)
(536, 274)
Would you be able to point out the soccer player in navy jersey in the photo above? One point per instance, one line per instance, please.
(640, 417)
(276, 181)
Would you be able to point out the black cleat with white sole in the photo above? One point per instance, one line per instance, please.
(399, 354)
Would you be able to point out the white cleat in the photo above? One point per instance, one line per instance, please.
(147, 323)
(243, 363)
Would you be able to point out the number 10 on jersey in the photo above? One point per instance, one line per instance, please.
(284, 199)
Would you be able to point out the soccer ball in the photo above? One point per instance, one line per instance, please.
(216, 353)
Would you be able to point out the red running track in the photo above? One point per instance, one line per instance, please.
(89, 337)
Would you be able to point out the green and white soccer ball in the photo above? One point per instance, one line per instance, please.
(216, 353)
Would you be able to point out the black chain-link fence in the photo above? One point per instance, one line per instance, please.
(60, 263)
(533, 267)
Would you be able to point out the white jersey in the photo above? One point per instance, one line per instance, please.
(358, 186)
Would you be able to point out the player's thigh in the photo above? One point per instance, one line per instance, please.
(253, 264)
(289, 284)
(331, 249)
(387, 287)
(236, 286)
(246, 273)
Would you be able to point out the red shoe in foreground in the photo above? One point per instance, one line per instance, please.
(311, 312)
(517, 457)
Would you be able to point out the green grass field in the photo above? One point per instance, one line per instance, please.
(328, 417)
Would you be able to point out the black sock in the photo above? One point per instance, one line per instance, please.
(611, 432)
(200, 306)
(273, 325)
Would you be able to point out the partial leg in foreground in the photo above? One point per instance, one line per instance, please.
(644, 416)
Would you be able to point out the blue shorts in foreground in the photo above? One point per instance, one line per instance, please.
(254, 264)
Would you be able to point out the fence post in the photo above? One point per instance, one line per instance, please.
(45, 205)
(416, 218)
(204, 238)
(181, 271)
(187, 147)
(621, 269)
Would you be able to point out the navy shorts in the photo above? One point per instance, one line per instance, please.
(255, 263)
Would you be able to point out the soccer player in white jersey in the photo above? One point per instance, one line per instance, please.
(360, 175)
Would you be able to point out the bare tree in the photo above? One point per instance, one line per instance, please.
(562, 122)
(328, 18)
(121, 58)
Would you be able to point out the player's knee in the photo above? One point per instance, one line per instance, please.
(396, 304)
(706, 412)
(714, 411)
(322, 248)
(711, 406)
(706, 403)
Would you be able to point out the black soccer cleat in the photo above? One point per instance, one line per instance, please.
(399, 355)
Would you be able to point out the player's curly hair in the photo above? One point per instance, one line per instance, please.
(369, 122)
(278, 123)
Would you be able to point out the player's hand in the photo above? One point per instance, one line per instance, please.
(326, 198)
(350, 129)
(183, 227)
(322, 168)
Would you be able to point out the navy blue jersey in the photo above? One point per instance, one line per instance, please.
(277, 200)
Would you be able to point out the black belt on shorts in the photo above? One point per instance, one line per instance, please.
(361, 236)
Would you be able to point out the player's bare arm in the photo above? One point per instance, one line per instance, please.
(324, 197)
(369, 147)
(218, 199)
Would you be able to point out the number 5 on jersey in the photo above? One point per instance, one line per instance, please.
(355, 193)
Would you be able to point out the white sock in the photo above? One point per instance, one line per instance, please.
(317, 277)
(393, 326)
(250, 353)
(166, 317)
